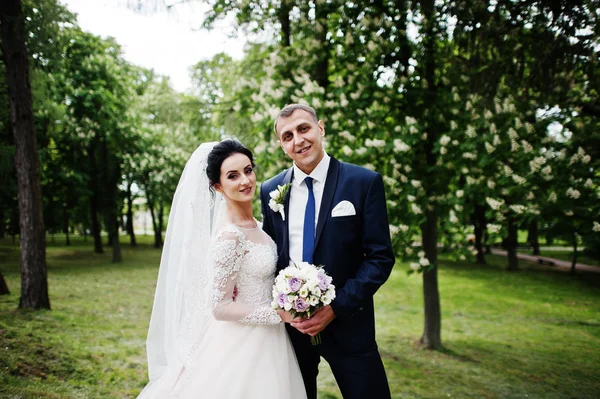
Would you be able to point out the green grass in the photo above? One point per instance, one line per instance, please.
(534, 333)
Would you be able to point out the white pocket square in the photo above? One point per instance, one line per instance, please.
(344, 208)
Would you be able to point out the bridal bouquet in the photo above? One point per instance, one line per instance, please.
(301, 289)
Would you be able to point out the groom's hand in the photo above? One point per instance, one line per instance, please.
(317, 322)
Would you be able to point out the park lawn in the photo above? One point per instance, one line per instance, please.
(533, 333)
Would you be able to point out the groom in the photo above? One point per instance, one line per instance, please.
(335, 216)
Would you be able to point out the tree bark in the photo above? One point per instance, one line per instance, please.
(533, 237)
(3, 286)
(511, 245)
(480, 223)
(34, 278)
(129, 224)
(574, 261)
(283, 15)
(155, 223)
(94, 199)
(110, 179)
(432, 330)
(431, 337)
(66, 225)
(322, 67)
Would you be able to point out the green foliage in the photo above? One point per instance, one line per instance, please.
(504, 332)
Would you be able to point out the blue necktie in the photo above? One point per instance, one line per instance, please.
(308, 237)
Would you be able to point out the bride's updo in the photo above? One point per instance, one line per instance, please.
(220, 153)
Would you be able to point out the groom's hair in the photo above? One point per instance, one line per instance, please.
(289, 109)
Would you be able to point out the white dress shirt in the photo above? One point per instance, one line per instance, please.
(297, 206)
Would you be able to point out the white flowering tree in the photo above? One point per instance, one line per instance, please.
(427, 93)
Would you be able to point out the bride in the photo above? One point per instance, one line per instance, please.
(213, 333)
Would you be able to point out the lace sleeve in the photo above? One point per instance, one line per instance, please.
(228, 253)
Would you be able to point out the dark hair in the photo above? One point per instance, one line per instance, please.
(220, 153)
(289, 109)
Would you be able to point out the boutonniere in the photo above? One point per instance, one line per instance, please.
(277, 199)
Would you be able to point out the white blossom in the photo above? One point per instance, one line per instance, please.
(347, 150)
(403, 228)
(393, 230)
(569, 213)
(471, 133)
(459, 193)
(507, 170)
(512, 133)
(453, 219)
(469, 155)
(494, 228)
(411, 198)
(415, 183)
(414, 266)
(572, 193)
(471, 181)
(375, 143)
(552, 197)
(400, 146)
(526, 146)
(491, 184)
(347, 135)
(444, 140)
(518, 179)
(361, 151)
(530, 196)
(596, 227)
(489, 148)
(415, 209)
(518, 209)
(494, 204)
(588, 183)
(424, 262)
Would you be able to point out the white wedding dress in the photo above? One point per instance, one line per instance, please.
(245, 351)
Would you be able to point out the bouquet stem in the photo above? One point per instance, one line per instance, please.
(316, 340)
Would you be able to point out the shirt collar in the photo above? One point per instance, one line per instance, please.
(319, 173)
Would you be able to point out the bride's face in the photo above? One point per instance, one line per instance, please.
(237, 179)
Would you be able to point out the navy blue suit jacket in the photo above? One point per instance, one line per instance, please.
(355, 251)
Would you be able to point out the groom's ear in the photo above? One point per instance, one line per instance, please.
(322, 127)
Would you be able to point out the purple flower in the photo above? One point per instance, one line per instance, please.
(295, 283)
(301, 305)
(282, 300)
(324, 280)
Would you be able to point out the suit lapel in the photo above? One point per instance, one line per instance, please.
(287, 178)
(326, 200)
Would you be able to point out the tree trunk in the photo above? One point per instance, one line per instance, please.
(283, 15)
(322, 67)
(432, 331)
(431, 337)
(533, 237)
(66, 225)
(574, 262)
(2, 222)
(129, 225)
(155, 227)
(3, 287)
(158, 236)
(511, 245)
(94, 199)
(34, 279)
(480, 224)
(110, 181)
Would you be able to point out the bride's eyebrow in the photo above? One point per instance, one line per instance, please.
(236, 171)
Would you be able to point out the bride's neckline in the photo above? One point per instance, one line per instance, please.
(247, 228)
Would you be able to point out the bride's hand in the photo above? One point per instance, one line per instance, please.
(286, 317)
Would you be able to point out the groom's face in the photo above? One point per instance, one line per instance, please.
(301, 138)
